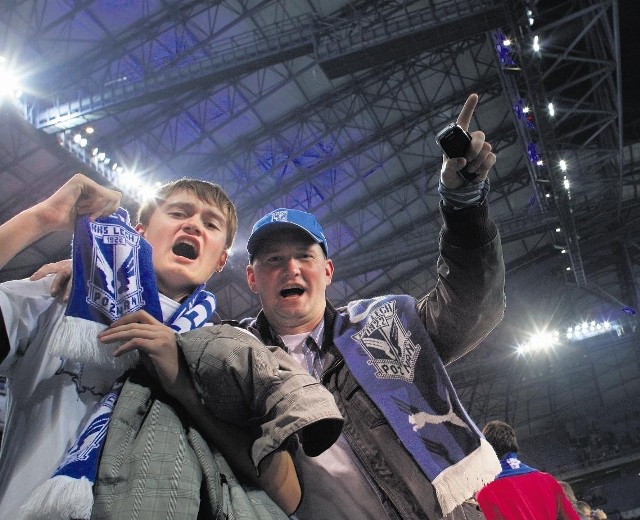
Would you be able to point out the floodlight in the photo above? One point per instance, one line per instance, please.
(9, 83)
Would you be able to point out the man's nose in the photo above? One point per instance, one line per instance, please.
(191, 226)
(292, 266)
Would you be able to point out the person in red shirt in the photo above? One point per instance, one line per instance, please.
(520, 491)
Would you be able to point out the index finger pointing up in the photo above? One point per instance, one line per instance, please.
(464, 119)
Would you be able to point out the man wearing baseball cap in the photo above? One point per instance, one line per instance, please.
(408, 448)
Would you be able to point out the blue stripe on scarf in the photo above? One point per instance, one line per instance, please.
(81, 457)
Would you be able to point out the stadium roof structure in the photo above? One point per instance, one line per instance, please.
(332, 107)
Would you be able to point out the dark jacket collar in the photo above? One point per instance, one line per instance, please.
(268, 336)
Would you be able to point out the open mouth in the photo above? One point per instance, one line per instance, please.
(292, 291)
(185, 250)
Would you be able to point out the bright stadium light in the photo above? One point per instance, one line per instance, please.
(9, 83)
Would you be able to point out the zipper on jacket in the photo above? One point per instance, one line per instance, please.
(332, 368)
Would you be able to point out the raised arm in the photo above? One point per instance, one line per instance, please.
(468, 300)
(78, 196)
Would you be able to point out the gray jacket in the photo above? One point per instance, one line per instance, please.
(156, 465)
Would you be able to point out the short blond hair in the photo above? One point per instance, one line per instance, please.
(206, 191)
(583, 508)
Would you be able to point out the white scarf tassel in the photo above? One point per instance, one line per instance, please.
(62, 498)
(473, 472)
(76, 339)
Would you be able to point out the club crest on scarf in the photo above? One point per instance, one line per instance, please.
(112, 271)
(388, 344)
(114, 286)
(513, 463)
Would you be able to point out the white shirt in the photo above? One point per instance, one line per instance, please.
(48, 399)
(335, 485)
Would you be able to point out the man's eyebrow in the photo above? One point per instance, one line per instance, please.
(210, 212)
(180, 205)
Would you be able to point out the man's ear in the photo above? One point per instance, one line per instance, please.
(328, 269)
(140, 229)
(251, 279)
(222, 261)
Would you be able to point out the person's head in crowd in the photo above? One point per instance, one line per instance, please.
(289, 269)
(583, 508)
(191, 225)
(502, 437)
(568, 491)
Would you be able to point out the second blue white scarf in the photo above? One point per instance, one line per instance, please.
(389, 352)
(112, 276)
(512, 465)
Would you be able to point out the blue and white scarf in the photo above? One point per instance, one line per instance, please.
(112, 276)
(512, 465)
(390, 354)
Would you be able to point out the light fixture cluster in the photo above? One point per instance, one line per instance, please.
(78, 143)
(523, 111)
(590, 329)
(547, 190)
(122, 178)
(548, 340)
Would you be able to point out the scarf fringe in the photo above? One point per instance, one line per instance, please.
(462, 481)
(62, 498)
(75, 339)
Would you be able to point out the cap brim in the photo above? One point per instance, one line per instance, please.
(254, 240)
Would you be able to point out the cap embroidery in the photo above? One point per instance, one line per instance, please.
(279, 216)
